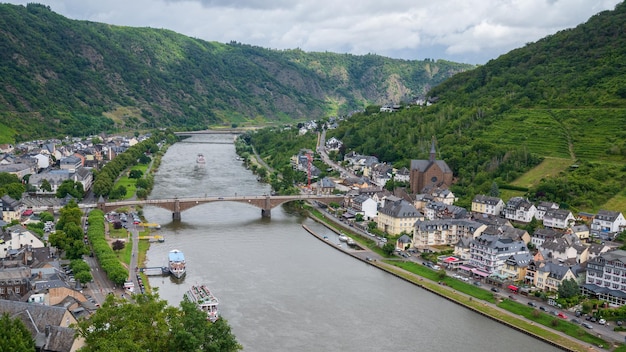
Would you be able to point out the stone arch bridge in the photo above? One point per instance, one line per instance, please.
(177, 205)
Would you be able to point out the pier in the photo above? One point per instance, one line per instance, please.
(155, 271)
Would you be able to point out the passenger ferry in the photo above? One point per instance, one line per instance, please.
(200, 158)
(176, 263)
(205, 300)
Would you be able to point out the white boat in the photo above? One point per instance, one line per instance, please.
(351, 242)
(200, 158)
(205, 300)
(176, 263)
(343, 238)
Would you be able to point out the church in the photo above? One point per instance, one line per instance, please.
(431, 173)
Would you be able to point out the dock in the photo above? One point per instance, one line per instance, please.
(155, 271)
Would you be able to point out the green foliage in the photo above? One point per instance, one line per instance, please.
(149, 324)
(135, 174)
(84, 77)
(14, 336)
(10, 184)
(111, 265)
(71, 187)
(388, 248)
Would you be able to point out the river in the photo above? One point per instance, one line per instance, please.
(283, 290)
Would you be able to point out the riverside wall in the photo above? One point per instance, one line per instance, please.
(382, 266)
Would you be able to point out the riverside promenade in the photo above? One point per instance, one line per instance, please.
(487, 309)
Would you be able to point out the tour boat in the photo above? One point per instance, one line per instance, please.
(343, 238)
(351, 242)
(205, 300)
(177, 263)
(200, 158)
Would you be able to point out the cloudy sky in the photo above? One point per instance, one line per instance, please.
(470, 31)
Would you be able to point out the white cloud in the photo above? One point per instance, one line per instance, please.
(458, 30)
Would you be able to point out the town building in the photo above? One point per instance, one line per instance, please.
(558, 218)
(430, 173)
(489, 252)
(607, 223)
(519, 209)
(487, 205)
(606, 278)
(444, 232)
(398, 217)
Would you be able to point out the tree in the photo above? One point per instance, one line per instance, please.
(46, 216)
(568, 288)
(135, 174)
(75, 189)
(118, 245)
(83, 276)
(15, 190)
(149, 324)
(45, 186)
(14, 336)
(494, 191)
(144, 159)
(388, 248)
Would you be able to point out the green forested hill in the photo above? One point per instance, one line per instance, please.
(62, 76)
(563, 96)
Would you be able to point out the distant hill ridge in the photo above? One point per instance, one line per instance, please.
(62, 76)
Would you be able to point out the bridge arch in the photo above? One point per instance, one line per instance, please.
(178, 205)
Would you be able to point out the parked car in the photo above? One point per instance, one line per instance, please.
(532, 304)
(477, 283)
(543, 308)
(562, 316)
(619, 323)
(602, 322)
(493, 289)
(587, 325)
(575, 321)
(511, 297)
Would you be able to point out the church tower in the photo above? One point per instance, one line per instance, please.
(433, 151)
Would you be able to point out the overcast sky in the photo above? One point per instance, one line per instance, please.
(470, 31)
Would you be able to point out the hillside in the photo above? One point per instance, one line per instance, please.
(62, 76)
(563, 96)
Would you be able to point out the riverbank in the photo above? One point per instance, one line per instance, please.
(487, 309)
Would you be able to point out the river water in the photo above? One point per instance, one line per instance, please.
(281, 289)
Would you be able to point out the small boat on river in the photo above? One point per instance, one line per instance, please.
(343, 238)
(200, 159)
(176, 263)
(350, 242)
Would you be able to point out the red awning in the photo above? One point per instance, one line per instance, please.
(480, 273)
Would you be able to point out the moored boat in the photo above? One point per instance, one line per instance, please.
(351, 242)
(343, 238)
(205, 300)
(176, 263)
(200, 158)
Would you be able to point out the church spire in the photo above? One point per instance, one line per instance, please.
(433, 151)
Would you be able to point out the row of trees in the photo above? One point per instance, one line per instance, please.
(105, 178)
(109, 262)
